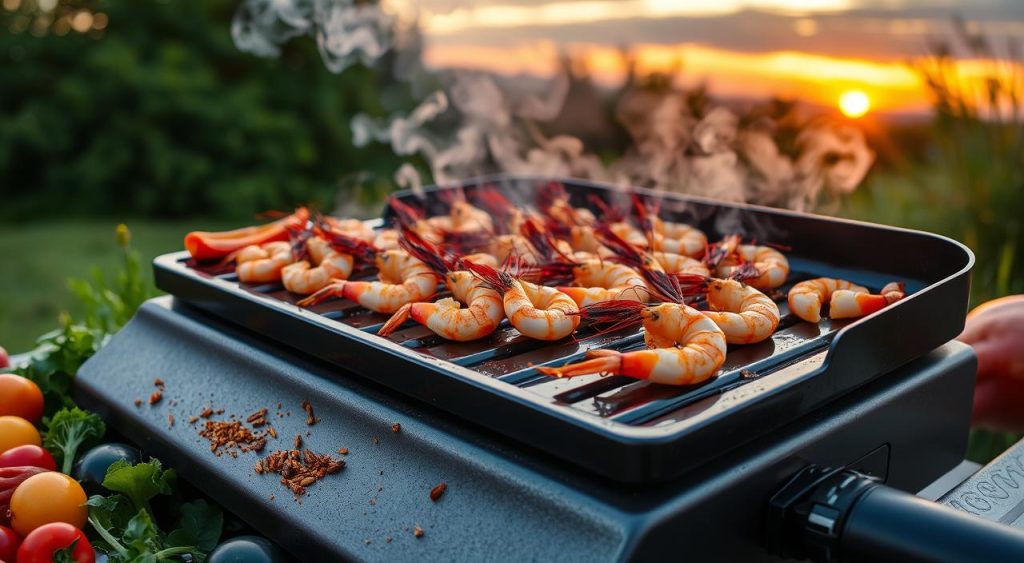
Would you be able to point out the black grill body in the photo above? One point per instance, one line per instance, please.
(506, 500)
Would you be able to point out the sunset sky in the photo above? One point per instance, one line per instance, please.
(812, 49)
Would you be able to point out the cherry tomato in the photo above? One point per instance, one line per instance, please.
(30, 455)
(16, 431)
(47, 497)
(5, 360)
(44, 541)
(20, 397)
(9, 542)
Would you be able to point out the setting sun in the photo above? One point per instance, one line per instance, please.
(854, 103)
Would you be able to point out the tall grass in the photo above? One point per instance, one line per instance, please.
(971, 185)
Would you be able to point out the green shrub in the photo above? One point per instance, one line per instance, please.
(159, 114)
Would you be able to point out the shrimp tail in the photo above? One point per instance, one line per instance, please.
(599, 361)
(333, 290)
(396, 320)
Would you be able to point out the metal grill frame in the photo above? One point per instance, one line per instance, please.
(710, 419)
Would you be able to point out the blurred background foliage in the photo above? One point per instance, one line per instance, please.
(147, 108)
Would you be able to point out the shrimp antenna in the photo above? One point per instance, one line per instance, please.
(345, 243)
(719, 251)
(664, 286)
(405, 214)
(609, 212)
(498, 280)
(297, 236)
(430, 254)
(615, 313)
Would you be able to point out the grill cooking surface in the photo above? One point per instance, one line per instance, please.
(616, 425)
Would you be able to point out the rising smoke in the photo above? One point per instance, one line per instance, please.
(478, 123)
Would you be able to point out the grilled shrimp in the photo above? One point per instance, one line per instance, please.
(806, 298)
(534, 310)
(599, 280)
(263, 263)
(301, 277)
(484, 309)
(402, 279)
(386, 239)
(770, 263)
(483, 312)
(848, 304)
(678, 238)
(743, 313)
(351, 227)
(685, 346)
(679, 264)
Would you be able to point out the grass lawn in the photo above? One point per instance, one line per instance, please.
(40, 257)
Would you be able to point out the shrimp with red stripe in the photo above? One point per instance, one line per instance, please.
(846, 299)
(402, 278)
(484, 309)
(684, 346)
(536, 311)
(730, 255)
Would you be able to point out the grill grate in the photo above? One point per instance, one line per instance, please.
(512, 358)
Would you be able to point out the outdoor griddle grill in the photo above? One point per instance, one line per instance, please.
(591, 468)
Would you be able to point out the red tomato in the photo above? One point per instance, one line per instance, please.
(40, 545)
(20, 397)
(28, 455)
(5, 360)
(9, 542)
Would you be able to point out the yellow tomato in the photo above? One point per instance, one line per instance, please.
(16, 431)
(48, 497)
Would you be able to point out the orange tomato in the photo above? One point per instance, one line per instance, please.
(20, 397)
(16, 431)
(45, 498)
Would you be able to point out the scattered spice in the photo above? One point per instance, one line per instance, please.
(437, 491)
(373, 502)
(396, 428)
(258, 418)
(311, 419)
(170, 420)
(272, 432)
(218, 411)
(298, 441)
(207, 412)
(417, 531)
(376, 440)
(343, 451)
(193, 419)
(232, 436)
(747, 374)
(158, 382)
(299, 470)
(155, 397)
(138, 402)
